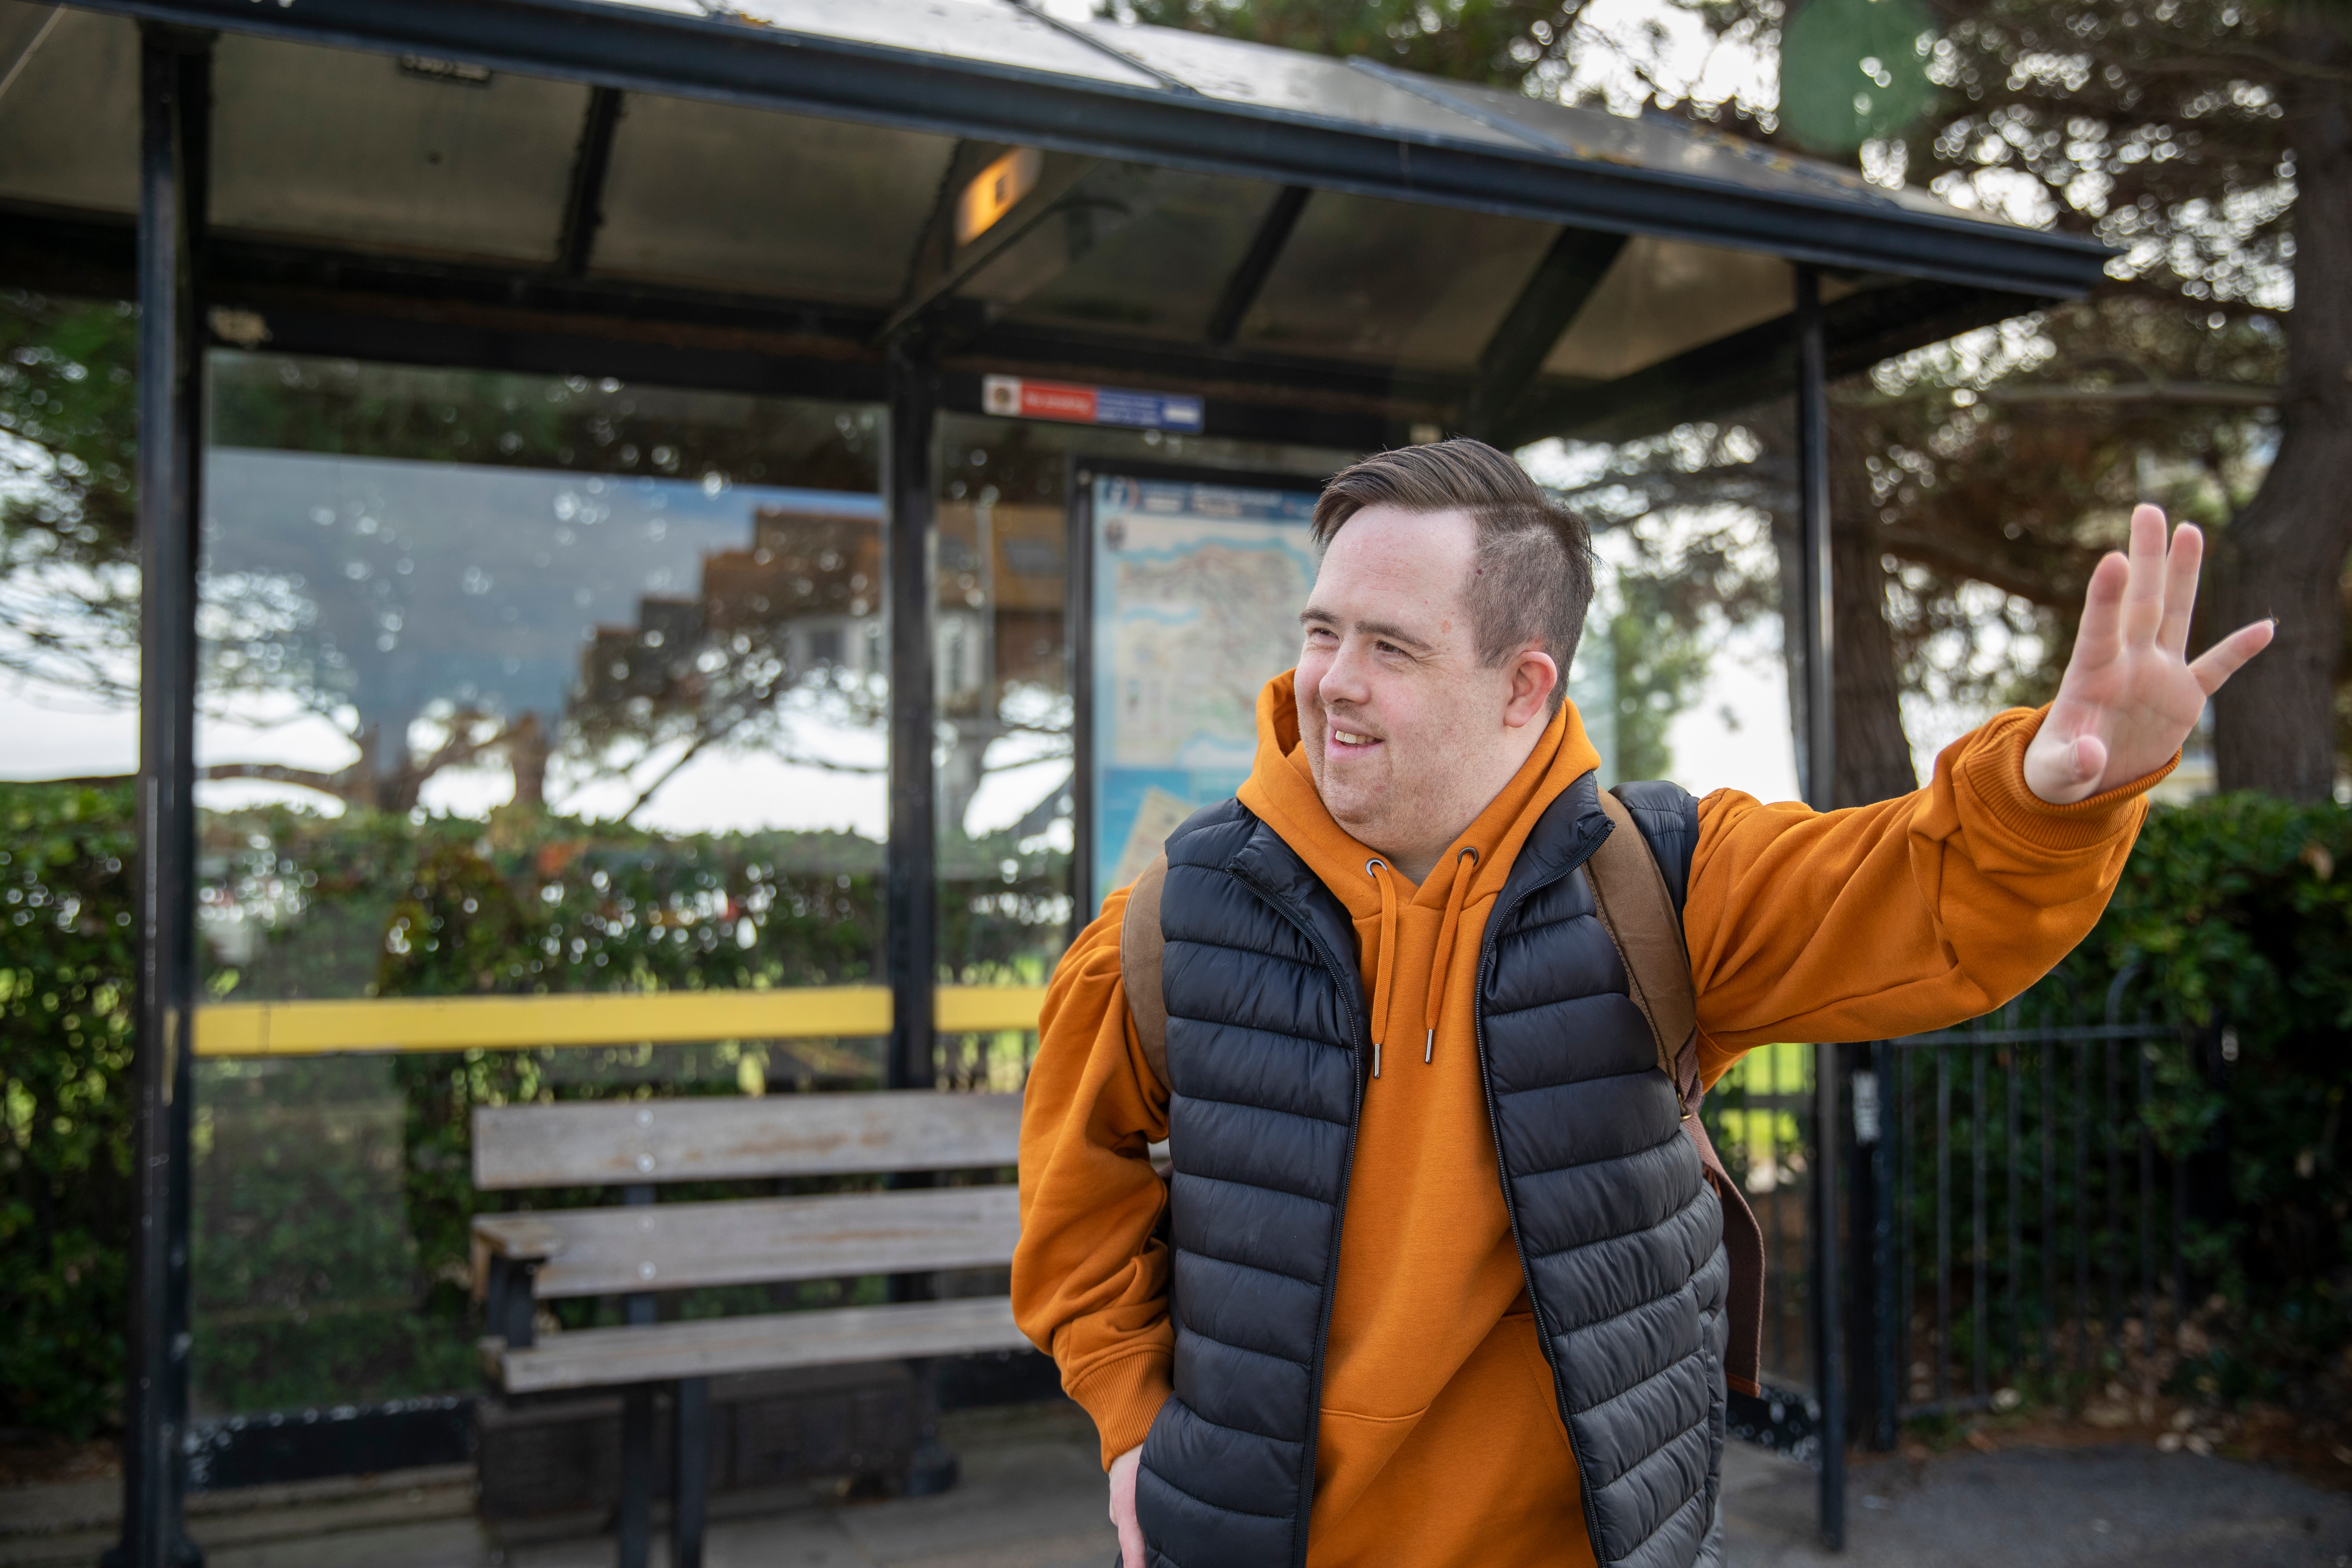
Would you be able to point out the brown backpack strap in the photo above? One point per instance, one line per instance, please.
(1638, 909)
(1141, 949)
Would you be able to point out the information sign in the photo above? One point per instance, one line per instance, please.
(1197, 587)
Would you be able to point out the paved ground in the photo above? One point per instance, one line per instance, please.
(1031, 1498)
(2115, 1507)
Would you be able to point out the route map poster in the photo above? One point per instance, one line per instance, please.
(1197, 589)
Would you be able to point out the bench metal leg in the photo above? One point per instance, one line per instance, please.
(511, 1305)
(636, 1521)
(935, 1469)
(690, 1470)
(638, 1426)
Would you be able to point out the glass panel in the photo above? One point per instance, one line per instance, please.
(707, 192)
(1000, 34)
(1006, 837)
(511, 685)
(1139, 250)
(375, 149)
(1364, 278)
(1662, 298)
(69, 123)
(1654, 141)
(1287, 80)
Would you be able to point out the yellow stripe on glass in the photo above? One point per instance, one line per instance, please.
(592, 1018)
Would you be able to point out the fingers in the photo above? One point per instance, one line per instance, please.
(2225, 657)
(2144, 593)
(2180, 587)
(1122, 1507)
(2062, 771)
(2101, 635)
(2087, 759)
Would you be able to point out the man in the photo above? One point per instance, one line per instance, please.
(1440, 1282)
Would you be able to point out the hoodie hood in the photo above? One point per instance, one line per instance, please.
(1281, 791)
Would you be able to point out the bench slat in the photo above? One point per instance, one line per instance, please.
(674, 1247)
(601, 1358)
(605, 1143)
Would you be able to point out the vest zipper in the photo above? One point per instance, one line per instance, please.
(1495, 923)
(1344, 984)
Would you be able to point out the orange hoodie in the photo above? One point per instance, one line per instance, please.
(1440, 1442)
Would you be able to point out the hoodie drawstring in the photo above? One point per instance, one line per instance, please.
(1378, 870)
(1383, 989)
(1443, 961)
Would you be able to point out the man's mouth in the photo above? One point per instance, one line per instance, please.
(1351, 739)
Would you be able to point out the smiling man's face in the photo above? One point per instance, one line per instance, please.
(1408, 735)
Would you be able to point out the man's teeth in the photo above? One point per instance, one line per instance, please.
(1349, 738)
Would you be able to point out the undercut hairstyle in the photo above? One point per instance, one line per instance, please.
(1531, 581)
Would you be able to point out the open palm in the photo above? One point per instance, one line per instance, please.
(2130, 695)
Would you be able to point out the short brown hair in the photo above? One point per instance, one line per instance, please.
(1533, 579)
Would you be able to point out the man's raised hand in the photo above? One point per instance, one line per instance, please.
(2130, 695)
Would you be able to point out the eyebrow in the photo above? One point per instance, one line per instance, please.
(1388, 630)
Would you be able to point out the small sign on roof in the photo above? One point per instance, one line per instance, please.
(1018, 397)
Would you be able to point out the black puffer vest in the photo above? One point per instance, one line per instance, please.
(1618, 1230)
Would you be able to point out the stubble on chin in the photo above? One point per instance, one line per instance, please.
(1352, 805)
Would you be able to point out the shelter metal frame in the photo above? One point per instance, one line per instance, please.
(561, 319)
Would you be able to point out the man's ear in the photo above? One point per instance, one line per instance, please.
(1533, 676)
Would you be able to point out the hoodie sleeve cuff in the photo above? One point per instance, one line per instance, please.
(1123, 1395)
(1993, 771)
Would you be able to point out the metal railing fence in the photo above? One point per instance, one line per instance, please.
(2013, 1216)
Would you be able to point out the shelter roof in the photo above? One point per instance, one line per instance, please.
(798, 178)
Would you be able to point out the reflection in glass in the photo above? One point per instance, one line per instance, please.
(1001, 654)
(568, 611)
(510, 685)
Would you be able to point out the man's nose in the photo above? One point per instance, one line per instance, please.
(1343, 680)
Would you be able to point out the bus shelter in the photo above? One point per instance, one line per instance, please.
(947, 301)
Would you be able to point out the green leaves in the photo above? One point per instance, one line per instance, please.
(65, 1124)
(2236, 913)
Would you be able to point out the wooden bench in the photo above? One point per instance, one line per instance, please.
(642, 1247)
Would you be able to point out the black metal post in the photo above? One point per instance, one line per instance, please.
(912, 856)
(1979, 1241)
(1820, 778)
(1870, 1319)
(1819, 759)
(174, 81)
(633, 1527)
(1943, 1225)
(1907, 1252)
(2049, 1205)
(2012, 1076)
(1829, 1296)
(1078, 649)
